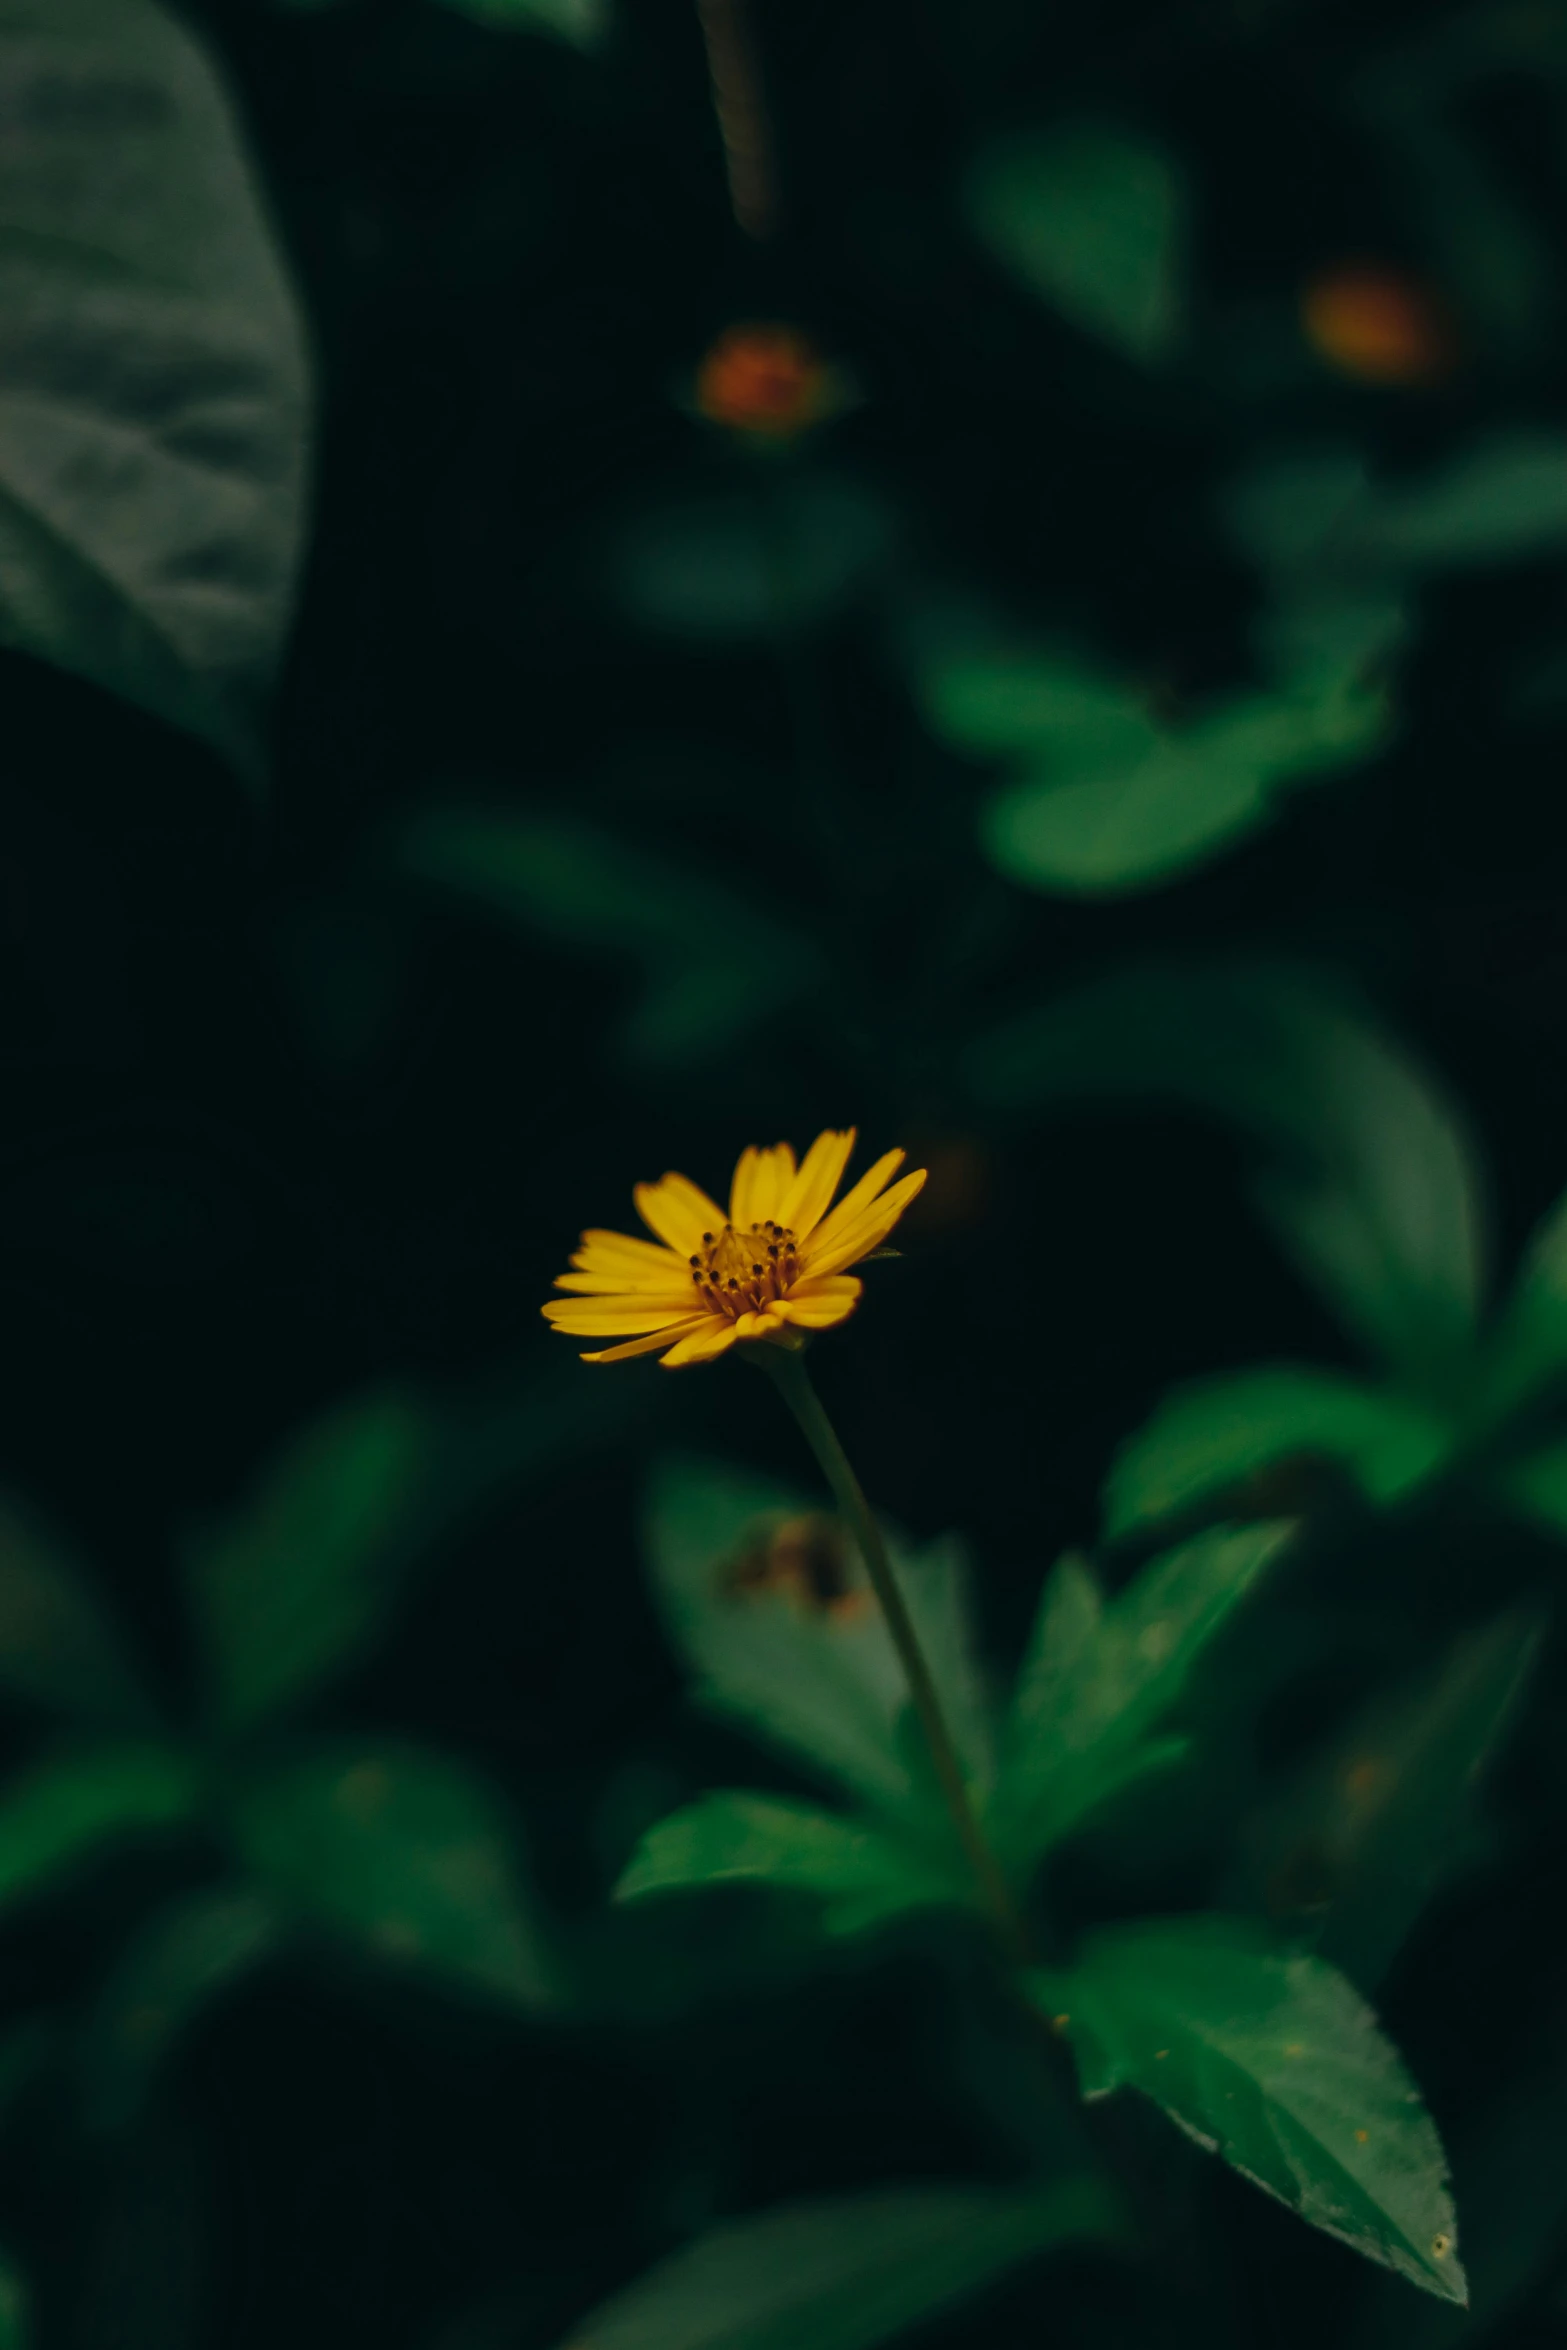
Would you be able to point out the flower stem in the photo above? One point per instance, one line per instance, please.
(794, 1384)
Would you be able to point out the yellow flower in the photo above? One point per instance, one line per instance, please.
(775, 1266)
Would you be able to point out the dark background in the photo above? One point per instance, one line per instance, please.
(281, 1124)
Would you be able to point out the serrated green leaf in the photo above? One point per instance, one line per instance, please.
(858, 1874)
(1372, 1186)
(58, 1646)
(155, 420)
(295, 1584)
(713, 967)
(1358, 1847)
(180, 1962)
(1092, 218)
(407, 1855)
(1209, 1437)
(1272, 2060)
(1100, 1677)
(60, 1815)
(845, 2274)
(822, 1681)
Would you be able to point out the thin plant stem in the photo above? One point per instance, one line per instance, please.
(794, 1384)
(742, 115)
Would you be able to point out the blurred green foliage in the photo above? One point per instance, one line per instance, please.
(470, 1875)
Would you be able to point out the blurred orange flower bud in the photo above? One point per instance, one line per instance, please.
(770, 380)
(1377, 326)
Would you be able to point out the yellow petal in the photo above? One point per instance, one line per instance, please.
(854, 1202)
(868, 1230)
(678, 1212)
(818, 1305)
(617, 1282)
(821, 1170)
(643, 1346)
(715, 1337)
(612, 1317)
(761, 1179)
(601, 1250)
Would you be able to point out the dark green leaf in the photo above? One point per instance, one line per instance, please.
(181, 1962)
(1092, 218)
(58, 1647)
(842, 2275)
(15, 2330)
(296, 1584)
(1100, 1677)
(1207, 1438)
(60, 1815)
(1528, 1347)
(405, 1853)
(1359, 1848)
(1183, 798)
(713, 967)
(813, 1670)
(584, 22)
(154, 425)
(1374, 1189)
(860, 1875)
(728, 566)
(1537, 1488)
(1272, 2060)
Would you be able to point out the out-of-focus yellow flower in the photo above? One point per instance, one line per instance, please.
(1378, 326)
(775, 1267)
(769, 380)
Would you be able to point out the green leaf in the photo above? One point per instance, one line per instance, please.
(1100, 1676)
(583, 22)
(1527, 1349)
(1497, 503)
(294, 1586)
(859, 1875)
(1537, 1488)
(1092, 218)
(1181, 799)
(1209, 1437)
(713, 967)
(1321, 516)
(1036, 702)
(1359, 1847)
(61, 1814)
(155, 417)
(404, 1853)
(844, 2274)
(16, 2330)
(58, 1647)
(1372, 1185)
(1271, 2059)
(734, 566)
(732, 1557)
(180, 1963)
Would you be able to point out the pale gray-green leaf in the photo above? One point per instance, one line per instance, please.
(154, 398)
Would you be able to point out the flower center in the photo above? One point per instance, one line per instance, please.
(737, 1272)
